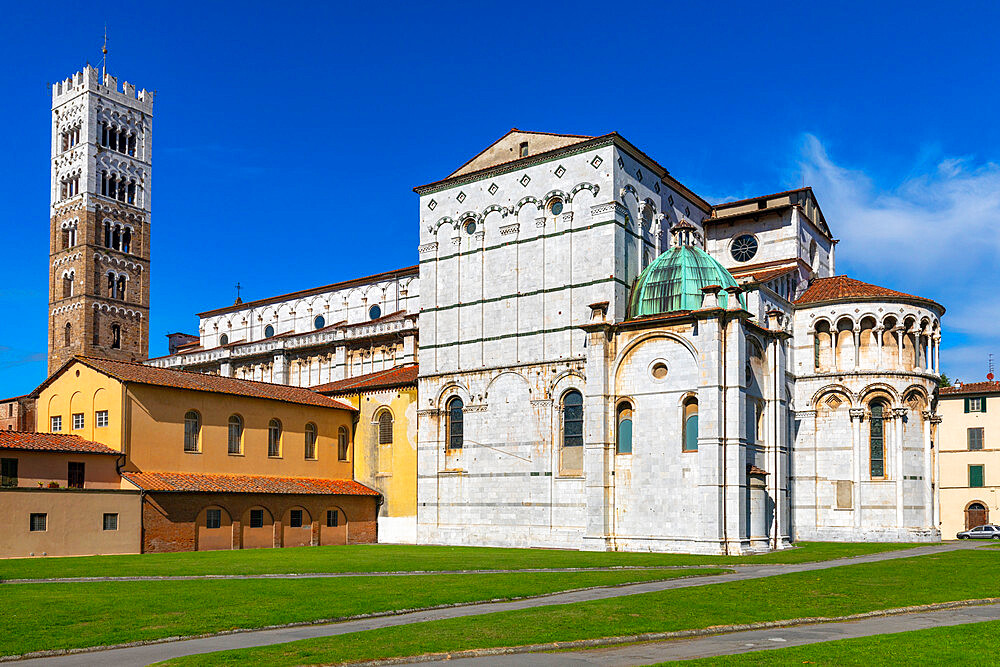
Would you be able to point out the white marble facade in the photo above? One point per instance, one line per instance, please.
(520, 303)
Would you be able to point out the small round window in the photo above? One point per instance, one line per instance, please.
(319, 322)
(268, 331)
(223, 339)
(659, 370)
(374, 313)
(470, 227)
(744, 248)
(556, 206)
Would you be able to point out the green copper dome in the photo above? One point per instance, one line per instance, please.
(673, 281)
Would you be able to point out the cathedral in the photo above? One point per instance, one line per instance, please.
(601, 359)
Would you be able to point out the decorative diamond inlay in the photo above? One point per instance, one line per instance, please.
(493, 188)
(621, 163)
(638, 174)
(432, 204)
(596, 162)
(460, 197)
(687, 211)
(670, 200)
(656, 186)
(525, 180)
(560, 170)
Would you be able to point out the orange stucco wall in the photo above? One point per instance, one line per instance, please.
(155, 425)
(74, 522)
(34, 467)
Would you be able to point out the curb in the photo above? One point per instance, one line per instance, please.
(660, 636)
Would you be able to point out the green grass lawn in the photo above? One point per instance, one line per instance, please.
(37, 617)
(837, 591)
(393, 558)
(955, 645)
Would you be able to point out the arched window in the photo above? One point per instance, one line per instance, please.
(274, 438)
(623, 441)
(374, 313)
(310, 440)
(111, 285)
(224, 339)
(268, 331)
(877, 439)
(572, 412)
(319, 322)
(690, 426)
(455, 428)
(116, 237)
(116, 337)
(385, 428)
(107, 234)
(342, 443)
(192, 429)
(571, 452)
(235, 434)
(127, 239)
(120, 290)
(130, 196)
(67, 334)
(67, 285)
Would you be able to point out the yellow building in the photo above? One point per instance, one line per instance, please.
(386, 444)
(222, 462)
(969, 456)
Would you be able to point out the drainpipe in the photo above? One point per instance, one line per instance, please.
(724, 330)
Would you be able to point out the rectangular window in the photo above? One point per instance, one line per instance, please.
(213, 518)
(256, 518)
(77, 421)
(55, 423)
(975, 438)
(332, 518)
(76, 475)
(101, 418)
(8, 472)
(110, 521)
(523, 149)
(37, 522)
(975, 404)
(295, 519)
(976, 477)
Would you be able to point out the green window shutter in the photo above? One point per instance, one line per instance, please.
(976, 476)
(983, 404)
(966, 405)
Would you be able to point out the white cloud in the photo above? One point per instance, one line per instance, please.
(935, 233)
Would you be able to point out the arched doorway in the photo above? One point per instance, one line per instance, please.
(333, 527)
(297, 528)
(976, 514)
(215, 529)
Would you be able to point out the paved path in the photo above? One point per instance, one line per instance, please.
(737, 642)
(143, 655)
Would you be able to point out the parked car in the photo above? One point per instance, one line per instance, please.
(987, 532)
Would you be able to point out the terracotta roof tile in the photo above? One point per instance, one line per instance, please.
(52, 442)
(842, 288)
(193, 381)
(762, 275)
(202, 483)
(992, 387)
(399, 376)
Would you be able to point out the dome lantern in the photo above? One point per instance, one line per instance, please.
(673, 282)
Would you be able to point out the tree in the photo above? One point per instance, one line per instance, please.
(944, 381)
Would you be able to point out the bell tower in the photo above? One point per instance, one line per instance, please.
(102, 136)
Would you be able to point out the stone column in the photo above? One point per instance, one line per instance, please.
(878, 331)
(857, 348)
(928, 488)
(897, 420)
(899, 347)
(598, 444)
(834, 335)
(279, 372)
(858, 447)
(937, 354)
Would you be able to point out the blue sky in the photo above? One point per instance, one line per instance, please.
(287, 137)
